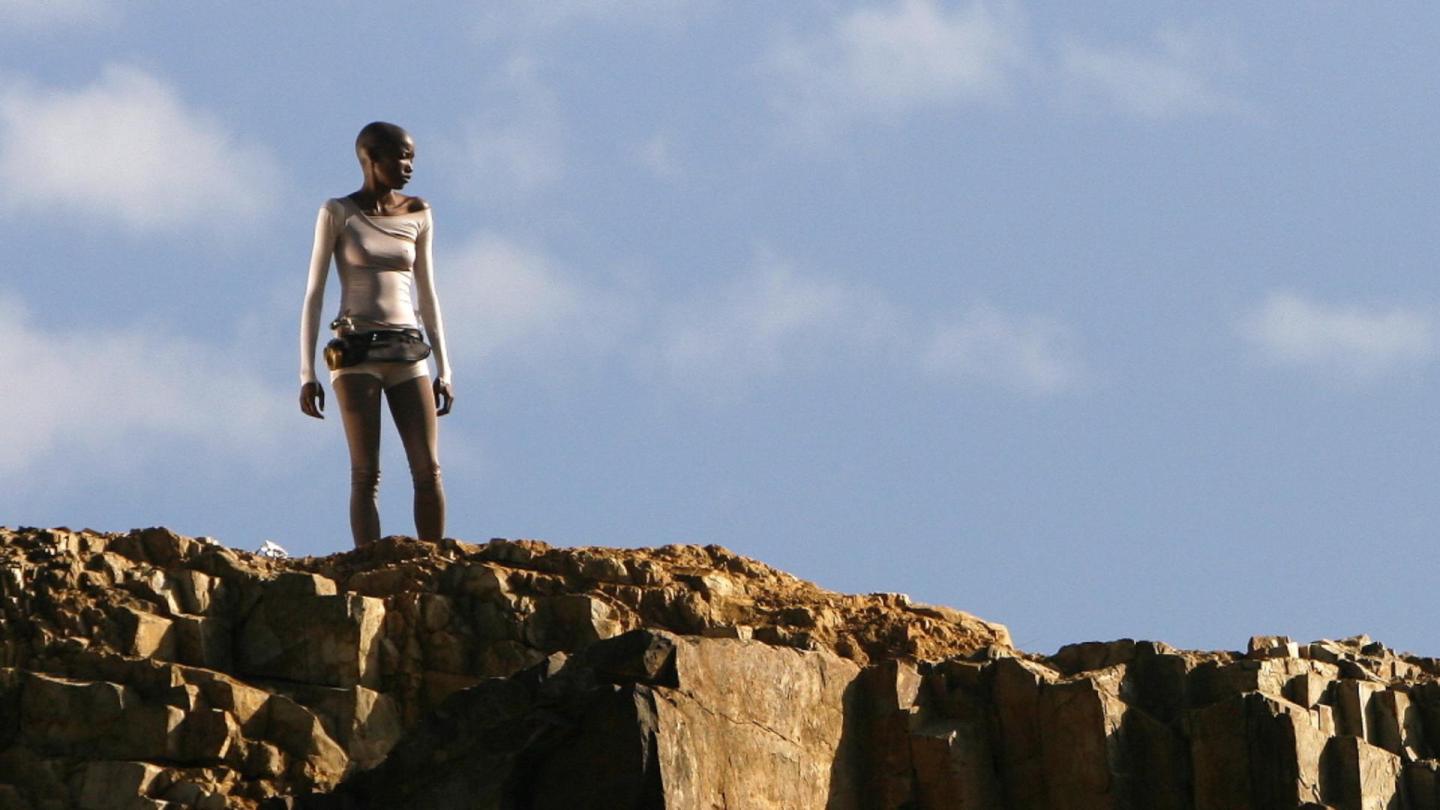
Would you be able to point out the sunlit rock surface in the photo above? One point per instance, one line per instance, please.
(150, 670)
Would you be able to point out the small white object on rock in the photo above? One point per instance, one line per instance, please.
(273, 550)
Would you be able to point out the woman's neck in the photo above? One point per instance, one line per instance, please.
(376, 199)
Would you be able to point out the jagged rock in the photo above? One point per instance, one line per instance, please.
(1015, 697)
(739, 703)
(1092, 655)
(954, 766)
(1422, 784)
(202, 641)
(640, 656)
(242, 678)
(316, 757)
(58, 713)
(569, 621)
(951, 747)
(575, 738)
(146, 635)
(300, 629)
(890, 702)
(1255, 751)
(468, 748)
(1272, 647)
(1397, 726)
(206, 736)
(1364, 776)
(105, 785)
(150, 670)
(363, 722)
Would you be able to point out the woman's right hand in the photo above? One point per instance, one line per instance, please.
(312, 399)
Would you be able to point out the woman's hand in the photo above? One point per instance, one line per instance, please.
(312, 399)
(444, 397)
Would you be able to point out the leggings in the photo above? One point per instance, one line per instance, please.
(412, 406)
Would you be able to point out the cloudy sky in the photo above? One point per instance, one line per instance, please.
(1096, 323)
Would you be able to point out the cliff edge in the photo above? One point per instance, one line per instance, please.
(152, 670)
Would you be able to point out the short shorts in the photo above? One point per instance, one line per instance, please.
(388, 373)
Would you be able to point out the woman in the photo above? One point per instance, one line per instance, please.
(380, 241)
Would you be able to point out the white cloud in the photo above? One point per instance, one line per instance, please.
(508, 304)
(775, 321)
(516, 144)
(501, 297)
(880, 62)
(115, 392)
(767, 323)
(1349, 342)
(1179, 76)
(1030, 354)
(32, 14)
(126, 148)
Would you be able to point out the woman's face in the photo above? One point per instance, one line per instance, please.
(394, 161)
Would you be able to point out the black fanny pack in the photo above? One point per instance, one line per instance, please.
(383, 345)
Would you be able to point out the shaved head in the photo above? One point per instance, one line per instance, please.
(379, 135)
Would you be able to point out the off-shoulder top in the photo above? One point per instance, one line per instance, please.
(380, 260)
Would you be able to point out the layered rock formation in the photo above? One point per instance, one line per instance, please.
(145, 668)
(150, 670)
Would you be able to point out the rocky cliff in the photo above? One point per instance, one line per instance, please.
(150, 670)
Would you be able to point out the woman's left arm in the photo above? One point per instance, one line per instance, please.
(430, 312)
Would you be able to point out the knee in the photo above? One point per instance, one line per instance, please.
(365, 480)
(427, 478)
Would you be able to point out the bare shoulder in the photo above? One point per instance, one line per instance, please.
(415, 204)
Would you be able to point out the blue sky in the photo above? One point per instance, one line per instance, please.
(1098, 321)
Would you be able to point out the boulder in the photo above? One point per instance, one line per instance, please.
(1255, 751)
(300, 630)
(364, 723)
(1363, 776)
(109, 785)
(202, 641)
(145, 634)
(744, 702)
(571, 621)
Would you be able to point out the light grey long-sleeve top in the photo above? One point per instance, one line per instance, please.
(379, 259)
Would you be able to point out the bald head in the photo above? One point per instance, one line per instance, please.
(378, 138)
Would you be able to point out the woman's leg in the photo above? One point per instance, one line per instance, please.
(359, 397)
(412, 406)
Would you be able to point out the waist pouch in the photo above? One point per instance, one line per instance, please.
(381, 345)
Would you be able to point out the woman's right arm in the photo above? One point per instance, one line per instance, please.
(326, 229)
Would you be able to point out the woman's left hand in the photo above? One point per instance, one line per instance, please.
(444, 397)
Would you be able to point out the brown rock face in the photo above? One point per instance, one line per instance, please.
(149, 670)
(152, 670)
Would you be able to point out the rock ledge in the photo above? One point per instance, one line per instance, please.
(152, 670)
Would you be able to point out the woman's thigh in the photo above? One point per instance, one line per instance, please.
(359, 398)
(412, 406)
